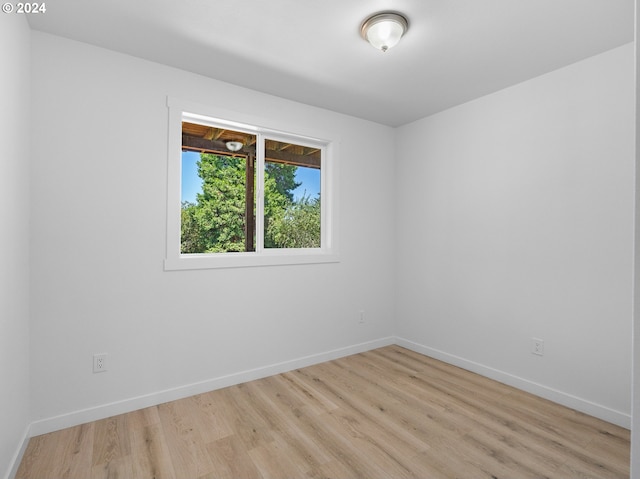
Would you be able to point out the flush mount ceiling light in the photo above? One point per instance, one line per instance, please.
(384, 30)
(234, 145)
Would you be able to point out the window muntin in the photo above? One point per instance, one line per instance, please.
(315, 170)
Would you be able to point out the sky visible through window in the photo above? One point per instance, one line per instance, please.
(192, 184)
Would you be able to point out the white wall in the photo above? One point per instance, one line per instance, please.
(635, 407)
(99, 200)
(14, 237)
(515, 220)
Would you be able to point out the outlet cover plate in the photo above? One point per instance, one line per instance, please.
(537, 346)
(99, 363)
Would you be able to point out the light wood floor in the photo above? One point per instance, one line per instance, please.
(387, 413)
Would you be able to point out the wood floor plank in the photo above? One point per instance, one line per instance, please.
(311, 398)
(186, 449)
(231, 459)
(149, 449)
(75, 448)
(67, 455)
(384, 413)
(419, 419)
(447, 463)
(332, 469)
(39, 457)
(284, 419)
(116, 468)
(111, 441)
(209, 417)
(275, 459)
(247, 424)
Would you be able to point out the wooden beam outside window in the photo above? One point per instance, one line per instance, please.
(203, 145)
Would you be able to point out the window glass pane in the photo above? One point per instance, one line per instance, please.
(292, 213)
(218, 194)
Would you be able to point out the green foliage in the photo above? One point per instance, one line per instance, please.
(296, 226)
(216, 222)
(220, 208)
(192, 240)
(284, 177)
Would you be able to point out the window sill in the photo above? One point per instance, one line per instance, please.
(247, 260)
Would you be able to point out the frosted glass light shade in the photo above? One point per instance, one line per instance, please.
(384, 30)
(234, 145)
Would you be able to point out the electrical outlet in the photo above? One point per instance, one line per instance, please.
(537, 346)
(99, 363)
(361, 317)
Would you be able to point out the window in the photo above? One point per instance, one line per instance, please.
(241, 195)
(217, 190)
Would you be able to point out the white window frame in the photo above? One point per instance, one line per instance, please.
(328, 251)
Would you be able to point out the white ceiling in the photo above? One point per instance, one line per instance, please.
(311, 50)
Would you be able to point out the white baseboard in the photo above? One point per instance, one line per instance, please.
(17, 457)
(75, 418)
(565, 399)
